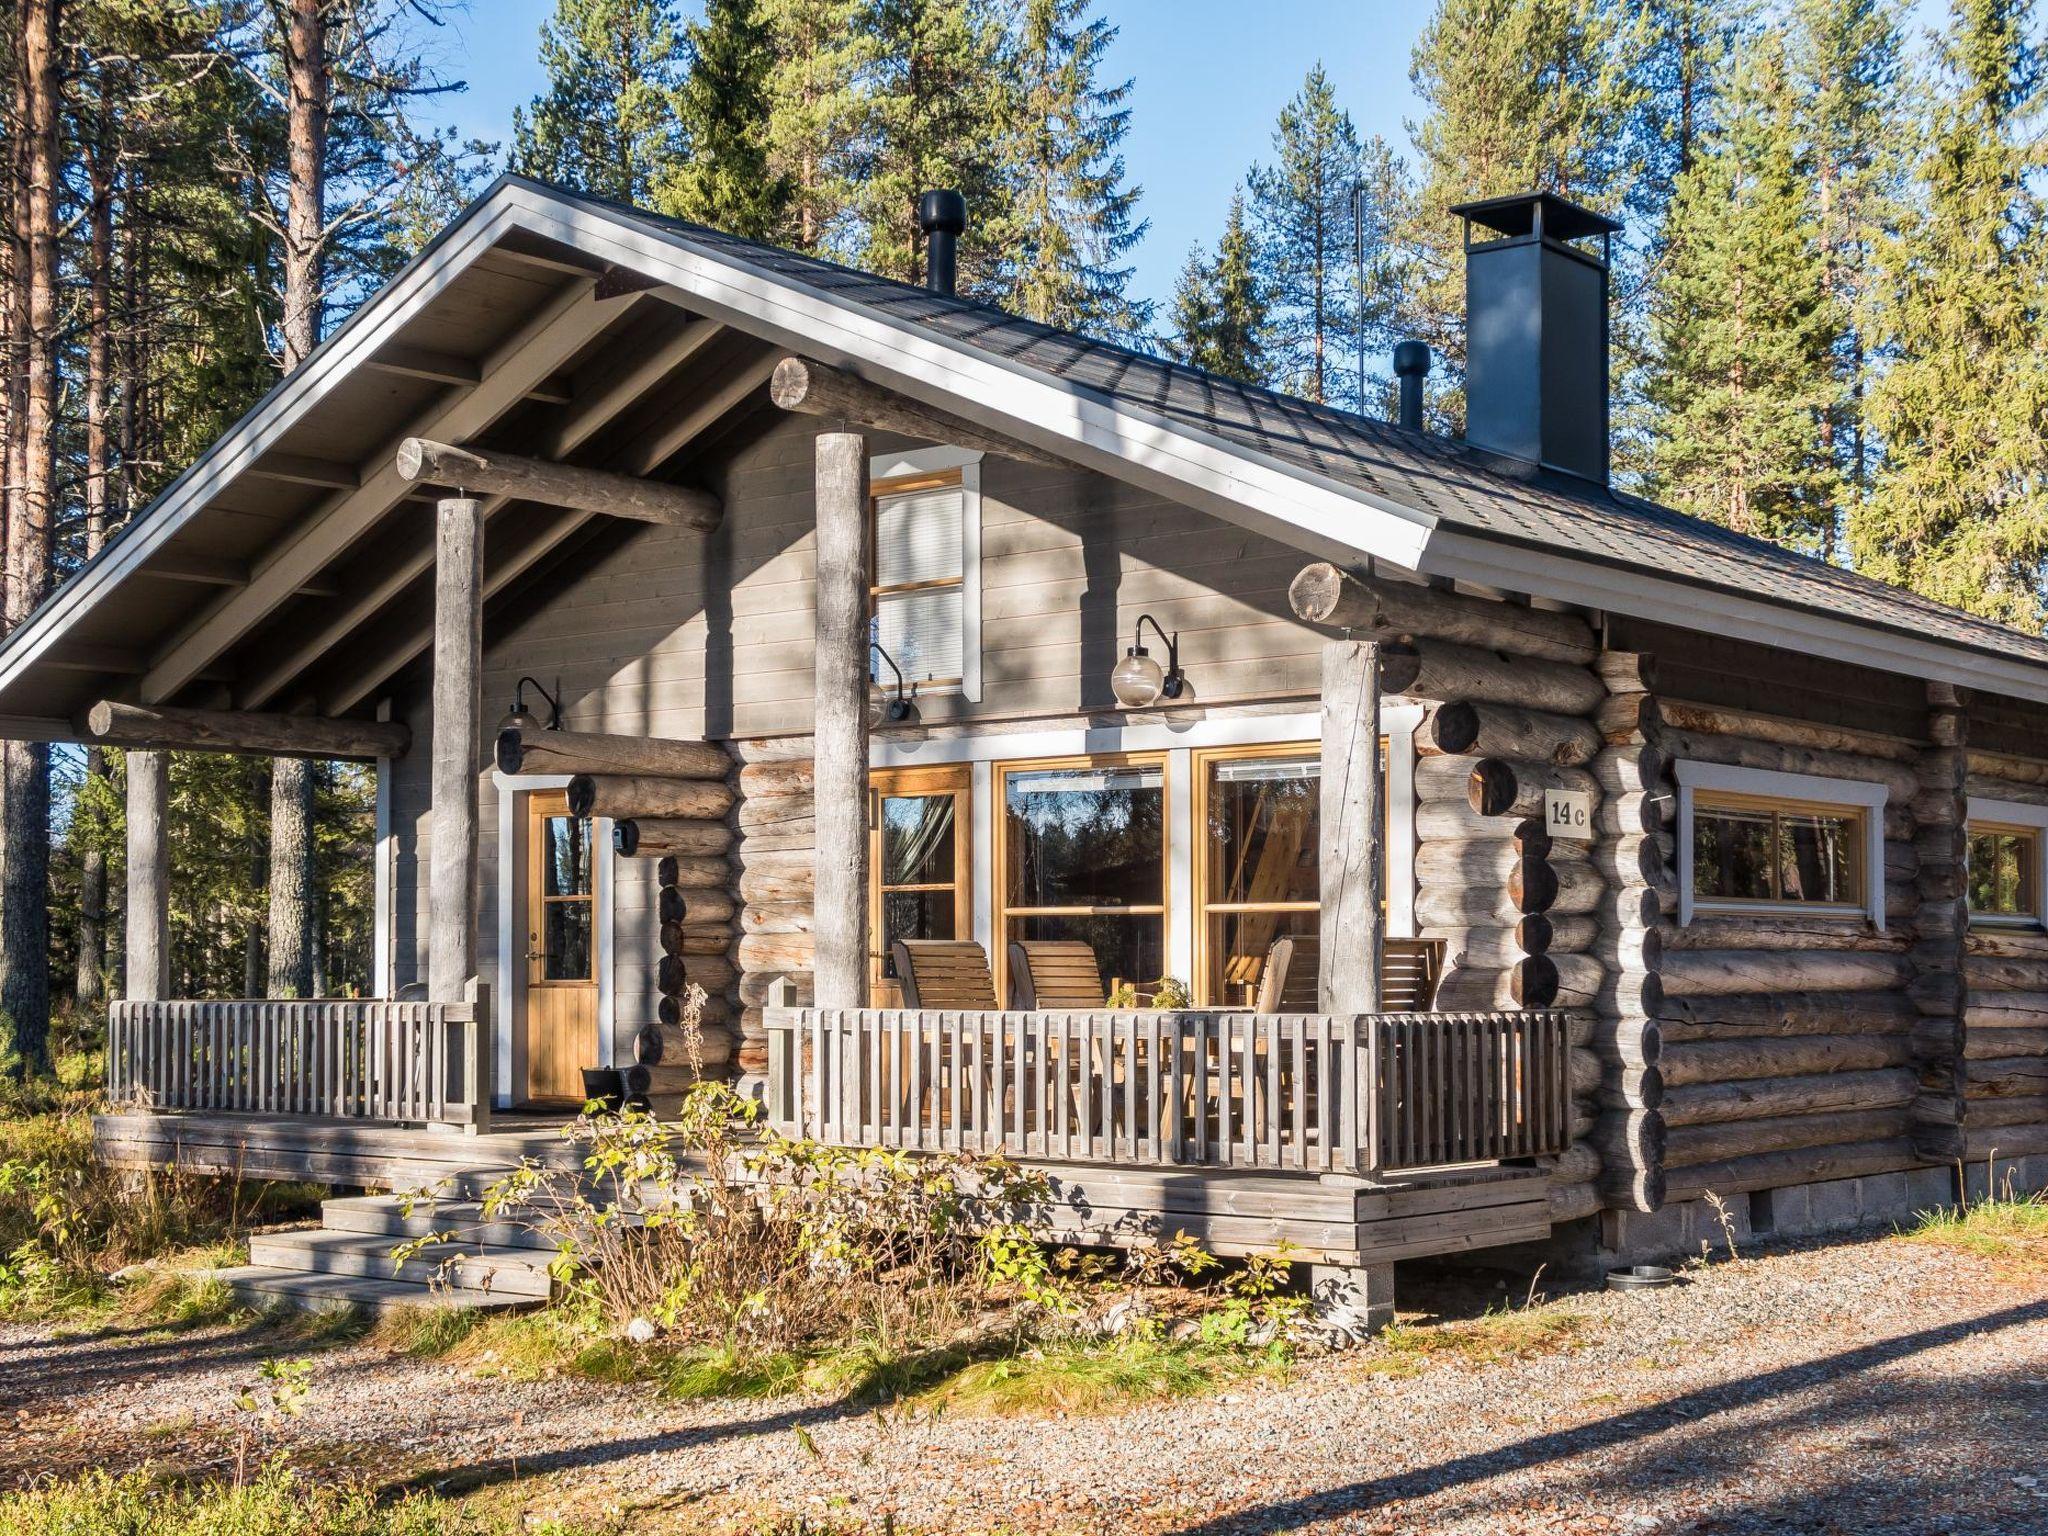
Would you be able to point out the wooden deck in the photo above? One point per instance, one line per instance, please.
(1325, 1218)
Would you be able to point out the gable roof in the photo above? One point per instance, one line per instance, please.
(1333, 484)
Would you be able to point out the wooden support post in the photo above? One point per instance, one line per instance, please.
(842, 720)
(1353, 821)
(458, 723)
(149, 877)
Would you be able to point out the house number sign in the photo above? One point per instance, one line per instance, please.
(1568, 813)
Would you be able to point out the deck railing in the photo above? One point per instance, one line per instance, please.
(1361, 1093)
(347, 1058)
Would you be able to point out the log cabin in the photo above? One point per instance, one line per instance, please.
(1537, 861)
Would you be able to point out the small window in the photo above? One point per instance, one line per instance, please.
(1747, 850)
(919, 592)
(2004, 862)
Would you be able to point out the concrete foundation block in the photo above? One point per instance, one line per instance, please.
(1835, 1206)
(1991, 1179)
(1356, 1302)
(1930, 1189)
(1676, 1231)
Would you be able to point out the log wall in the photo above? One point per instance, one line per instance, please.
(2002, 1074)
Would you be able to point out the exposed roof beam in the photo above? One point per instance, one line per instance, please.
(85, 656)
(812, 389)
(299, 469)
(582, 422)
(370, 673)
(34, 728)
(543, 344)
(561, 485)
(110, 723)
(544, 262)
(426, 363)
(217, 571)
(554, 390)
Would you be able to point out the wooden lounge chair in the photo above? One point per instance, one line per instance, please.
(944, 973)
(1408, 975)
(1055, 973)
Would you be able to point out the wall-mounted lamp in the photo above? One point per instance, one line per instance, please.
(520, 718)
(897, 711)
(1137, 680)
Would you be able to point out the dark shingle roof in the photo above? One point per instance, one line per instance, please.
(1465, 489)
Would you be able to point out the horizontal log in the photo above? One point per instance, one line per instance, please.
(1785, 931)
(1629, 1042)
(778, 886)
(1992, 788)
(1732, 972)
(1766, 1098)
(1626, 671)
(695, 905)
(765, 813)
(1441, 670)
(2010, 943)
(523, 751)
(717, 1009)
(1498, 786)
(2004, 1141)
(558, 485)
(1634, 811)
(1490, 946)
(795, 832)
(1695, 1145)
(791, 776)
(672, 973)
(1503, 730)
(1475, 862)
(1573, 1202)
(1579, 1163)
(1624, 718)
(1803, 1165)
(652, 837)
(1634, 770)
(1631, 1087)
(2006, 1077)
(755, 987)
(1639, 858)
(777, 917)
(677, 898)
(2005, 973)
(776, 951)
(1377, 608)
(159, 726)
(638, 796)
(2003, 765)
(1898, 779)
(1631, 1145)
(1727, 1061)
(1638, 949)
(1454, 820)
(1632, 908)
(1566, 933)
(814, 389)
(1580, 979)
(1995, 1044)
(1990, 1112)
(1719, 720)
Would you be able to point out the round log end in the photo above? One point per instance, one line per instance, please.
(625, 834)
(1314, 592)
(1533, 981)
(510, 751)
(1532, 885)
(790, 385)
(647, 1045)
(1534, 933)
(1400, 666)
(672, 905)
(582, 794)
(1453, 728)
(100, 718)
(412, 458)
(1492, 787)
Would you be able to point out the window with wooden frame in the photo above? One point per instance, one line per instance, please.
(1749, 850)
(920, 862)
(2007, 847)
(1081, 853)
(918, 597)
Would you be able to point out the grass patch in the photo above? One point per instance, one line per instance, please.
(428, 1332)
(1498, 1337)
(278, 1502)
(2011, 1232)
(1084, 1378)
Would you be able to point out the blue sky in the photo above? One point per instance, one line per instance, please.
(1211, 76)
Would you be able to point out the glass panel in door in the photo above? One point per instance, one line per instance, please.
(921, 862)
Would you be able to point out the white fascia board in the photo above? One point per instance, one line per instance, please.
(1255, 491)
(257, 432)
(1644, 595)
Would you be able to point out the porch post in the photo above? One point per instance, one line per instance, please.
(841, 728)
(1353, 829)
(149, 877)
(458, 727)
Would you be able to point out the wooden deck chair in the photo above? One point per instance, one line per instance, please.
(1055, 973)
(1409, 969)
(944, 973)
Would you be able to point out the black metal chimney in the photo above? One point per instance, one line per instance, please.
(1411, 367)
(942, 216)
(1536, 331)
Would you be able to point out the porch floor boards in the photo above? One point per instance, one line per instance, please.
(1326, 1218)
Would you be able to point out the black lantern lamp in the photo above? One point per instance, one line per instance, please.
(520, 718)
(1138, 680)
(900, 710)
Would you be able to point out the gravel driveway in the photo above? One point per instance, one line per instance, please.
(1867, 1387)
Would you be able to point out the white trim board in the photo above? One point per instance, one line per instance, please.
(2013, 813)
(932, 461)
(1811, 788)
(512, 790)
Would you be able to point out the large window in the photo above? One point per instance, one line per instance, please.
(2004, 870)
(1082, 855)
(1257, 875)
(919, 591)
(1751, 850)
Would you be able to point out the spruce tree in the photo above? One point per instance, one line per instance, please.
(1219, 308)
(1074, 219)
(936, 113)
(820, 48)
(1745, 326)
(727, 181)
(607, 122)
(1959, 510)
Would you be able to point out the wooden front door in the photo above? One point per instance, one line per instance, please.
(921, 864)
(561, 950)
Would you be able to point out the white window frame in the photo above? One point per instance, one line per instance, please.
(2011, 813)
(1807, 788)
(934, 461)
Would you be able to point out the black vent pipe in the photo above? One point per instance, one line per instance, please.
(1411, 367)
(942, 216)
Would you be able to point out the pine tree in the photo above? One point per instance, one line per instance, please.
(1219, 312)
(1308, 204)
(1745, 325)
(723, 105)
(1959, 510)
(608, 121)
(936, 113)
(1075, 217)
(820, 50)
